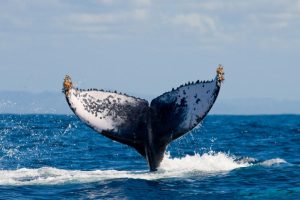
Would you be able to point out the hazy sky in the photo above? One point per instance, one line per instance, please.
(149, 46)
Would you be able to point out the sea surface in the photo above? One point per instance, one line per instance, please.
(226, 157)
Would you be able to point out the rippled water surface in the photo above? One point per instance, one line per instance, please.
(227, 157)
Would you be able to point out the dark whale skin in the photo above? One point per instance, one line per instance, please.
(146, 128)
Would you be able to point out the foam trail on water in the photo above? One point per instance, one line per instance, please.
(271, 162)
(206, 164)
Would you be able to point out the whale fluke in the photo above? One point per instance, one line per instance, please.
(146, 128)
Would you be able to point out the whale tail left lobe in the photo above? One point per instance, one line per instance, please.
(119, 117)
(146, 128)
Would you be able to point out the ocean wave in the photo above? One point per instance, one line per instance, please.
(206, 164)
(271, 162)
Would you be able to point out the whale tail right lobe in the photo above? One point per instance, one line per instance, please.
(175, 113)
(148, 129)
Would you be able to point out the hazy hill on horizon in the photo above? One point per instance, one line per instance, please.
(54, 103)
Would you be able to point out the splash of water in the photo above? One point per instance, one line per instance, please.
(275, 161)
(206, 164)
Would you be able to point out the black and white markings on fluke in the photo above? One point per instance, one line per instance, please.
(147, 128)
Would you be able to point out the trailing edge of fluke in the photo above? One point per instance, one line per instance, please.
(146, 128)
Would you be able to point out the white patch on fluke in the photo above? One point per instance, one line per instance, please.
(102, 121)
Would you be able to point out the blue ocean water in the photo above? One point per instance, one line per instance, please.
(227, 157)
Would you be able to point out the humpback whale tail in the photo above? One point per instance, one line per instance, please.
(146, 128)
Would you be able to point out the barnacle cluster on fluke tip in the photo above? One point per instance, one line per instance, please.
(220, 73)
(67, 85)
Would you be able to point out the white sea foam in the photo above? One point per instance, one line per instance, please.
(206, 164)
(274, 161)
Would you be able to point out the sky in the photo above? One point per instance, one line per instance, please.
(147, 47)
